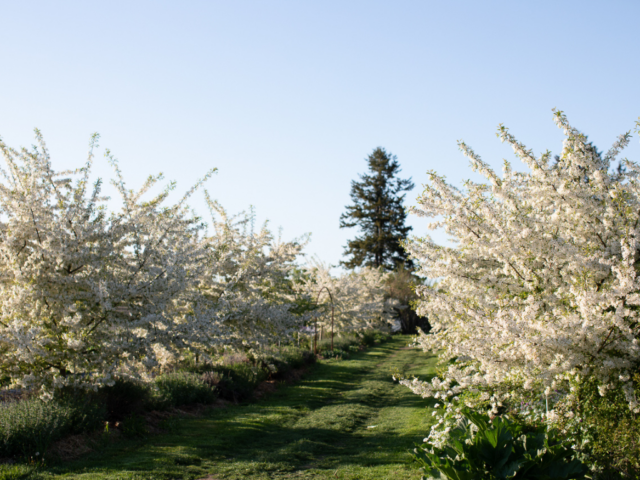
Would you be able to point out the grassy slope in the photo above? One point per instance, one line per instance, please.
(314, 429)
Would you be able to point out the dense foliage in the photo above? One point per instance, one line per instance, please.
(498, 449)
(610, 436)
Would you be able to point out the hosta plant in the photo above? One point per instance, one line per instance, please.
(499, 449)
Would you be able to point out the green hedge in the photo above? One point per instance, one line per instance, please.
(28, 427)
(608, 432)
(183, 388)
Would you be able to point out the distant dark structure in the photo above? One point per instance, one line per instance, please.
(379, 213)
(401, 286)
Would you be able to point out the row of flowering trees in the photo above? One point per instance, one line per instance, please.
(87, 294)
(540, 291)
(350, 302)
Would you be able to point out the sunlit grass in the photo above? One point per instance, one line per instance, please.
(344, 420)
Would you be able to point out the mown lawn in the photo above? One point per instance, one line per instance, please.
(344, 420)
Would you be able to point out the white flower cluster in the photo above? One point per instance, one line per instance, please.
(248, 282)
(542, 285)
(86, 294)
(448, 417)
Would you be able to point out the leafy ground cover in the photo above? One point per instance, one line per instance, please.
(346, 419)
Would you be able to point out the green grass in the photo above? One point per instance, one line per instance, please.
(317, 428)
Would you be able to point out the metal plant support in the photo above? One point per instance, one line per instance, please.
(315, 347)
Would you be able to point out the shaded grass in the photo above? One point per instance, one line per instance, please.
(318, 428)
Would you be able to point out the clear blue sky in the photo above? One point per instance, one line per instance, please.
(288, 98)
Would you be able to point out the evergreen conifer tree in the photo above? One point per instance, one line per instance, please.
(378, 212)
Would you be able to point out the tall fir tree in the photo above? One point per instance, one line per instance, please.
(378, 212)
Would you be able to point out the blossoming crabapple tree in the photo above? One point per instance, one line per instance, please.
(85, 293)
(541, 288)
(358, 298)
(247, 283)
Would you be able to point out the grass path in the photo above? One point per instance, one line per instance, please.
(344, 420)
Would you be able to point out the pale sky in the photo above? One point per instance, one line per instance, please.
(287, 99)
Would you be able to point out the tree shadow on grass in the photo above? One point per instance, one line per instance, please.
(321, 422)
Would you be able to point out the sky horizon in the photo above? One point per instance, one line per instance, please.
(287, 99)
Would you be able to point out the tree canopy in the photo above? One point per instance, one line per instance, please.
(541, 288)
(378, 212)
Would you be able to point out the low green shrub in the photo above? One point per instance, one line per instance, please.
(291, 358)
(278, 363)
(30, 426)
(183, 388)
(373, 337)
(353, 342)
(606, 431)
(368, 338)
(239, 380)
(499, 449)
(126, 397)
(336, 353)
(134, 426)
(340, 343)
(236, 376)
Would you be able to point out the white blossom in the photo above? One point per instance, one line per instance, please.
(87, 295)
(541, 286)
